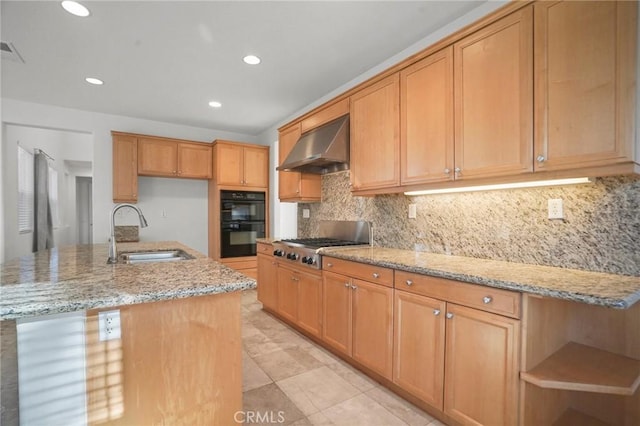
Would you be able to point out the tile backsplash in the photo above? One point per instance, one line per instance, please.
(600, 230)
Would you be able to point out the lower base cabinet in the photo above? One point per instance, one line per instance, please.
(300, 298)
(267, 281)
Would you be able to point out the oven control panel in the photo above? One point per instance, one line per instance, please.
(298, 255)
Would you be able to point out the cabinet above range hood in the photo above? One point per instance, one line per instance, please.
(322, 150)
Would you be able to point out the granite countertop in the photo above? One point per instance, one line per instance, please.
(76, 278)
(266, 240)
(595, 288)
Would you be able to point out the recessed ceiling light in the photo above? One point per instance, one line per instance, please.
(215, 104)
(251, 60)
(92, 80)
(75, 8)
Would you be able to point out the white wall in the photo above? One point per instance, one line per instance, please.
(61, 145)
(100, 127)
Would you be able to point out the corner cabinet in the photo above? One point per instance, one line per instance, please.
(294, 186)
(375, 136)
(241, 164)
(585, 58)
(125, 168)
(494, 99)
(171, 158)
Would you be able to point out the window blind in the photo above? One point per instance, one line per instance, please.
(25, 190)
(53, 195)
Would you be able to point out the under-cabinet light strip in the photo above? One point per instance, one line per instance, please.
(533, 184)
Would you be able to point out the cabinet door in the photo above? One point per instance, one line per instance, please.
(125, 169)
(584, 55)
(157, 157)
(288, 182)
(194, 161)
(336, 311)
(256, 166)
(288, 293)
(373, 326)
(481, 376)
(268, 281)
(229, 164)
(426, 113)
(310, 303)
(375, 135)
(419, 346)
(494, 99)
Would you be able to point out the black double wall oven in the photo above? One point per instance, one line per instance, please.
(242, 220)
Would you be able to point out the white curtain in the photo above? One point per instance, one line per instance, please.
(43, 223)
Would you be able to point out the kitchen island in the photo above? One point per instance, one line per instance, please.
(179, 356)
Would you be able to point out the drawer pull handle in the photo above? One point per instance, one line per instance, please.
(436, 312)
(409, 282)
(376, 275)
(487, 299)
(449, 315)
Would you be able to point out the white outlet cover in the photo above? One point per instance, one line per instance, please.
(305, 213)
(412, 211)
(555, 209)
(109, 325)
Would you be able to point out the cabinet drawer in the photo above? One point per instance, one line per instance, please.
(503, 302)
(264, 248)
(371, 273)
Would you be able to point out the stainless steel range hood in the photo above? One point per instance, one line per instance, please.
(321, 150)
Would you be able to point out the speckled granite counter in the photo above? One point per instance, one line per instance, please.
(76, 278)
(616, 291)
(267, 240)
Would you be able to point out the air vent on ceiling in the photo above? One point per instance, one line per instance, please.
(10, 53)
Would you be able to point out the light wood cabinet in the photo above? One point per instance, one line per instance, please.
(294, 186)
(426, 117)
(170, 158)
(125, 168)
(494, 99)
(375, 136)
(310, 302)
(358, 320)
(267, 280)
(481, 373)
(239, 164)
(584, 83)
(287, 294)
(419, 342)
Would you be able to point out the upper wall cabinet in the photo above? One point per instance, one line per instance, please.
(494, 99)
(375, 136)
(170, 158)
(585, 54)
(125, 168)
(426, 117)
(239, 164)
(294, 186)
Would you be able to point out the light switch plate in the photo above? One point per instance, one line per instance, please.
(412, 211)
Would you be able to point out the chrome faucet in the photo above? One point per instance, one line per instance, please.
(112, 238)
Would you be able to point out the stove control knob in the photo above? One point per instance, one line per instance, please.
(289, 255)
(278, 253)
(308, 260)
(293, 256)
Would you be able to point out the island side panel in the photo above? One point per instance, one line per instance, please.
(9, 412)
(178, 362)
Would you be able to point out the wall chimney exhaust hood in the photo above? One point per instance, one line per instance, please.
(322, 150)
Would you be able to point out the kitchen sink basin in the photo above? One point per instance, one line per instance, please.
(153, 256)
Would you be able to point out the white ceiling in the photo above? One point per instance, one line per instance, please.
(166, 60)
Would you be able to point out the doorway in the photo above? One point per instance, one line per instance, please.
(84, 210)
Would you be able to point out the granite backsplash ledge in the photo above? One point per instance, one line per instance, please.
(600, 231)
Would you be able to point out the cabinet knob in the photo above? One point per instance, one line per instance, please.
(347, 285)
(436, 312)
(487, 299)
(409, 282)
(174, 172)
(457, 170)
(329, 265)
(447, 171)
(354, 287)
(540, 158)
(449, 315)
(376, 275)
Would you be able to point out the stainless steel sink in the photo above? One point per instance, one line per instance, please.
(153, 256)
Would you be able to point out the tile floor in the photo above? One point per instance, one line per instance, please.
(289, 380)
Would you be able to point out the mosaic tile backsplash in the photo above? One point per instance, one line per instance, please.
(600, 230)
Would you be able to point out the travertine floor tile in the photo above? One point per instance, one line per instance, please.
(253, 376)
(271, 404)
(317, 389)
(353, 376)
(285, 363)
(399, 407)
(361, 410)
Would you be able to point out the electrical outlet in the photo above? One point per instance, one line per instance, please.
(109, 325)
(555, 208)
(412, 211)
(305, 213)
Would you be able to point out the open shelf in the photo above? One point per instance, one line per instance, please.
(584, 368)
(572, 417)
